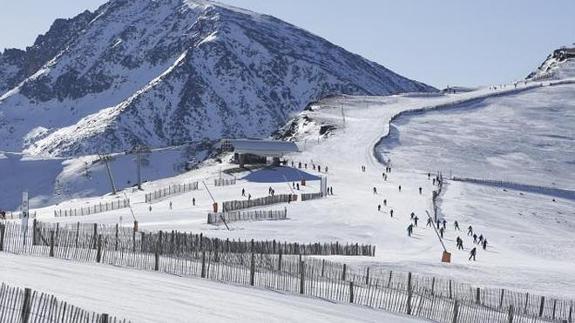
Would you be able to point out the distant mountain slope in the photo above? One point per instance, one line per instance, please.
(559, 65)
(165, 72)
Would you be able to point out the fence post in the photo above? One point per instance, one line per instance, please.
(351, 292)
(34, 224)
(450, 295)
(26, 306)
(116, 245)
(432, 286)
(367, 277)
(99, 252)
(302, 275)
(408, 293)
(501, 298)
(280, 260)
(252, 268)
(343, 273)
(570, 313)
(455, 311)
(541, 306)
(52, 243)
(2, 228)
(105, 318)
(510, 314)
(526, 301)
(203, 275)
(157, 262)
(478, 295)
(554, 307)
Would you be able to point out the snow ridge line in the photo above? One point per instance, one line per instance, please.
(556, 192)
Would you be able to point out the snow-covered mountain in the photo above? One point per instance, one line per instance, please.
(559, 65)
(165, 72)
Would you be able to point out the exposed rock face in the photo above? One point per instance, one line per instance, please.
(559, 65)
(165, 72)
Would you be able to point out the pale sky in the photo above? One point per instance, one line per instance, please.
(439, 42)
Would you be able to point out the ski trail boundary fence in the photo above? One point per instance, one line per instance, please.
(94, 209)
(427, 297)
(19, 305)
(228, 206)
(170, 191)
(224, 182)
(235, 216)
(310, 196)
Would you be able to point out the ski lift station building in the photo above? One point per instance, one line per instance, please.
(257, 151)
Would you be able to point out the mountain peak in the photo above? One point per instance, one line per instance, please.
(164, 72)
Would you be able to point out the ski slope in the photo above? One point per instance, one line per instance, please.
(351, 214)
(142, 296)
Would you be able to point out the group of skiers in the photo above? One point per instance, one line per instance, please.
(314, 166)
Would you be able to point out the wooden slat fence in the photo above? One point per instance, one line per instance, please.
(224, 181)
(426, 297)
(256, 215)
(311, 196)
(228, 206)
(19, 305)
(94, 209)
(171, 190)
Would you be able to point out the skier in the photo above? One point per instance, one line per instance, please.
(293, 185)
(472, 253)
(469, 231)
(326, 169)
(150, 208)
(429, 222)
(480, 238)
(170, 205)
(299, 165)
(412, 215)
(415, 219)
(441, 230)
(459, 243)
(433, 181)
(456, 224)
(485, 244)
(474, 238)
(313, 166)
(400, 188)
(391, 213)
(428, 175)
(193, 201)
(385, 202)
(420, 189)
(297, 186)
(249, 197)
(374, 190)
(243, 192)
(305, 165)
(379, 208)
(444, 224)
(409, 230)
(319, 168)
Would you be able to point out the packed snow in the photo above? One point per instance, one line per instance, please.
(142, 296)
(351, 215)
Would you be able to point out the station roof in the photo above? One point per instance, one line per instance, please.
(267, 148)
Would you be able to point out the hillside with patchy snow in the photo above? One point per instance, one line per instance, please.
(165, 72)
(559, 65)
